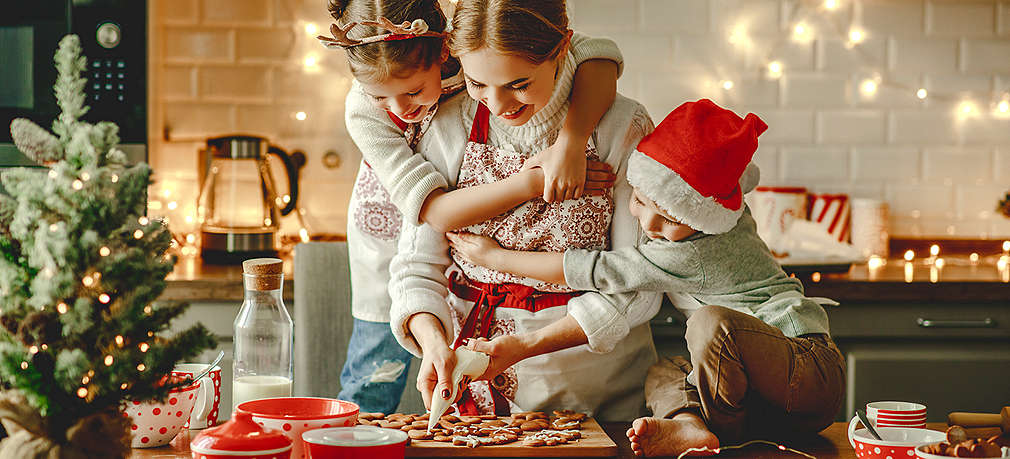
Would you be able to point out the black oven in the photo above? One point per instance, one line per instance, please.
(113, 36)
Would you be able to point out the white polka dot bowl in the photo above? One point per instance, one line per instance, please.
(295, 415)
(240, 437)
(895, 442)
(155, 423)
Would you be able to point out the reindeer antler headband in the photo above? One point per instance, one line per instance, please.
(404, 31)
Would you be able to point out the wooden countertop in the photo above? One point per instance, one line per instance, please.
(958, 281)
(832, 443)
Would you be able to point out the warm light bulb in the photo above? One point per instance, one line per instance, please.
(775, 69)
(144, 347)
(727, 84)
(172, 205)
(856, 36)
(739, 36)
(85, 176)
(934, 250)
(82, 392)
(123, 386)
(300, 116)
(52, 173)
(53, 227)
(141, 367)
(1003, 106)
(967, 108)
(311, 62)
(88, 281)
(304, 235)
(868, 87)
(802, 33)
(311, 28)
(875, 262)
(939, 262)
(921, 93)
(147, 310)
(104, 251)
(1006, 246)
(119, 340)
(114, 178)
(108, 360)
(33, 350)
(24, 365)
(909, 255)
(831, 4)
(78, 184)
(190, 238)
(816, 277)
(61, 308)
(143, 221)
(973, 257)
(138, 234)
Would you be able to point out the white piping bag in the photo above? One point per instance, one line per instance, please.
(468, 363)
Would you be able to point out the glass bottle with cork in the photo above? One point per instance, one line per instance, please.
(262, 367)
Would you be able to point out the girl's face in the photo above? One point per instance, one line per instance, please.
(512, 87)
(408, 98)
(655, 222)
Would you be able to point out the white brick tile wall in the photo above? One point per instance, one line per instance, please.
(923, 127)
(816, 91)
(1002, 165)
(788, 126)
(675, 16)
(815, 165)
(908, 200)
(986, 56)
(890, 164)
(236, 12)
(228, 65)
(957, 164)
(896, 17)
(852, 126)
(178, 82)
(930, 55)
(960, 18)
(605, 15)
(978, 201)
(247, 83)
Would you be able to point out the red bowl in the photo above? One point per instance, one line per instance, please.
(294, 415)
(358, 442)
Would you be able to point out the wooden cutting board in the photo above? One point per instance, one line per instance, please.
(594, 443)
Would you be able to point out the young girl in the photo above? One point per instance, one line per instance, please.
(763, 357)
(397, 54)
(519, 72)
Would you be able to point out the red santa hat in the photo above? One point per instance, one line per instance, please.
(692, 163)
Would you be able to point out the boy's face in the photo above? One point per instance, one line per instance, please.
(512, 87)
(409, 98)
(655, 222)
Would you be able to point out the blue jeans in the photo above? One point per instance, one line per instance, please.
(375, 372)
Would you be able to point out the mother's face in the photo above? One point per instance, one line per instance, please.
(512, 87)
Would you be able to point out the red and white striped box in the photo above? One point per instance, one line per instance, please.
(831, 212)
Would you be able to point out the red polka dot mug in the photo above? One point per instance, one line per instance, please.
(156, 424)
(206, 409)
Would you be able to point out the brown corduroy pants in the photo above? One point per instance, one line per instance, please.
(752, 381)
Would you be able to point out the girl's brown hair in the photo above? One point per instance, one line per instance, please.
(533, 29)
(375, 62)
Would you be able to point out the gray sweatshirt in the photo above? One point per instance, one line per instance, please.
(734, 269)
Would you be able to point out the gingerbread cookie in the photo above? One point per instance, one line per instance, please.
(370, 416)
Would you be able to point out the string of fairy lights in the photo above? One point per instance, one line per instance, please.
(809, 20)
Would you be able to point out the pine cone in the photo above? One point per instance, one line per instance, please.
(35, 142)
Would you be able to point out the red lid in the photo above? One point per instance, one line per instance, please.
(240, 433)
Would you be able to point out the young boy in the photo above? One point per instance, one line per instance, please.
(762, 361)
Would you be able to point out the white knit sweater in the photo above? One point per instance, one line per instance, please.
(409, 178)
(604, 377)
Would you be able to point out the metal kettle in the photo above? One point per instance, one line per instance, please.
(239, 208)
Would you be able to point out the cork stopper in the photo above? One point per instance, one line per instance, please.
(263, 273)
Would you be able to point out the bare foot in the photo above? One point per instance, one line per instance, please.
(652, 437)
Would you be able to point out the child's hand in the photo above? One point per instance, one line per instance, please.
(505, 351)
(564, 168)
(599, 178)
(474, 248)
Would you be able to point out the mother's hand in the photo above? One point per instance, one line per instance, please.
(505, 351)
(434, 377)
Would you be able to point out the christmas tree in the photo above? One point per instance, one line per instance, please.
(80, 268)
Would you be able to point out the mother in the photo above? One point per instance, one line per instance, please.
(551, 348)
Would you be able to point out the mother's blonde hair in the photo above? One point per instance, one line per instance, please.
(534, 29)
